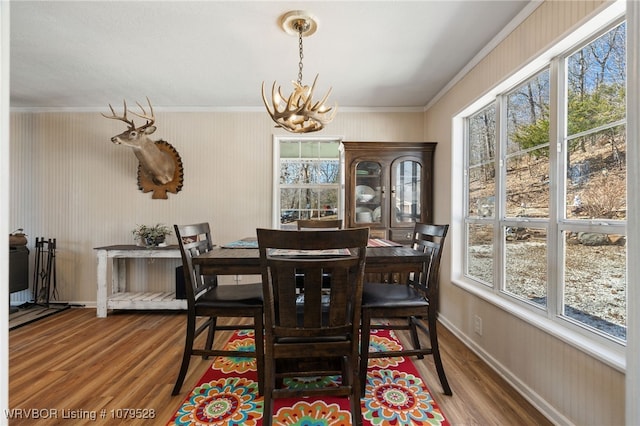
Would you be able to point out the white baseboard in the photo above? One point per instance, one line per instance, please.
(548, 410)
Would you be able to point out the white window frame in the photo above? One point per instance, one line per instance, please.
(604, 349)
(275, 213)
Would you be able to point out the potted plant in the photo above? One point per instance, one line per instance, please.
(151, 236)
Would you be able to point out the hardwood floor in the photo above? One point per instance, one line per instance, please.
(74, 363)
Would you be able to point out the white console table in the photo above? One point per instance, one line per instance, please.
(120, 298)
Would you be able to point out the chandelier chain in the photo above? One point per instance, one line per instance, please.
(300, 29)
(298, 113)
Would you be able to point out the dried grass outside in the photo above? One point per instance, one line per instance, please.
(594, 275)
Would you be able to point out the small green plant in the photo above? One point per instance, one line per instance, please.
(151, 235)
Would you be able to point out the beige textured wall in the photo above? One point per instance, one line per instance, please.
(69, 182)
(566, 383)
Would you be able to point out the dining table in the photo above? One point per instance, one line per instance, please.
(385, 260)
(383, 257)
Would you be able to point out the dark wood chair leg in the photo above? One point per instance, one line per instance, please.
(259, 347)
(433, 336)
(358, 393)
(365, 336)
(413, 330)
(269, 384)
(186, 357)
(211, 334)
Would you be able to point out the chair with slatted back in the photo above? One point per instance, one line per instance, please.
(317, 225)
(205, 298)
(314, 224)
(412, 301)
(312, 331)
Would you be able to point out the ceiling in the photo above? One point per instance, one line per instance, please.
(216, 54)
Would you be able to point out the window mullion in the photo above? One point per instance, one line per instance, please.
(557, 130)
(500, 209)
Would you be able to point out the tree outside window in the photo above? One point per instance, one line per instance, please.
(309, 180)
(553, 222)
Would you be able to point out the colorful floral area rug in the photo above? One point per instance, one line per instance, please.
(227, 394)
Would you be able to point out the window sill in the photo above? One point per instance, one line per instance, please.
(613, 357)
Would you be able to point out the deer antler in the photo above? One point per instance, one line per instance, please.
(297, 114)
(123, 118)
(150, 119)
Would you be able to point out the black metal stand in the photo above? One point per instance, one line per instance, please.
(45, 283)
(44, 272)
(44, 287)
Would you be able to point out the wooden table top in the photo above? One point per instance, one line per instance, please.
(247, 260)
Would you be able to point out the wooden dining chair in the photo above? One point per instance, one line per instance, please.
(314, 224)
(317, 225)
(312, 331)
(205, 298)
(413, 300)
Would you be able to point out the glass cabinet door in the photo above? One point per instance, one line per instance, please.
(406, 196)
(369, 192)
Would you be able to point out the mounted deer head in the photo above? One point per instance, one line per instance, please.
(160, 167)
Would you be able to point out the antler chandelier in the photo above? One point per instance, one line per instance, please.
(298, 113)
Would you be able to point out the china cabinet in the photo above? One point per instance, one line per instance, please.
(388, 187)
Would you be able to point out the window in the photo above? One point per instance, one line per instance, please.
(308, 180)
(526, 188)
(594, 148)
(545, 189)
(481, 194)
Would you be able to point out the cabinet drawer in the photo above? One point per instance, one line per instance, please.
(403, 236)
(378, 233)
